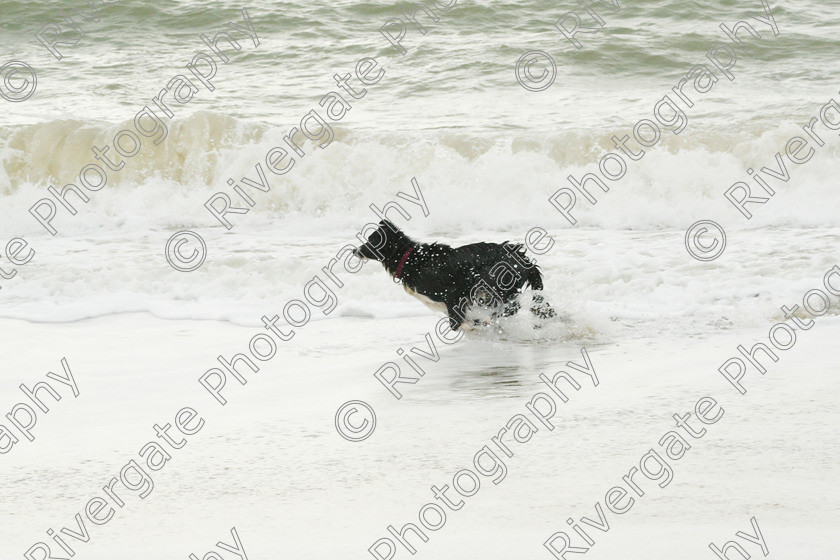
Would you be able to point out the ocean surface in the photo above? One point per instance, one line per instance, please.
(486, 153)
(449, 116)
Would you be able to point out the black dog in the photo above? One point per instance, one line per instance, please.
(488, 275)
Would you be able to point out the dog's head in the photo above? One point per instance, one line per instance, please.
(384, 241)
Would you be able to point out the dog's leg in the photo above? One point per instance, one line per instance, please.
(511, 308)
(542, 308)
(457, 312)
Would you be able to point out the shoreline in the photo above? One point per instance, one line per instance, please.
(286, 410)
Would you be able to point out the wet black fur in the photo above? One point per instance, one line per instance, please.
(480, 274)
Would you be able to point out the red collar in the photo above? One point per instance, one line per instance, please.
(398, 274)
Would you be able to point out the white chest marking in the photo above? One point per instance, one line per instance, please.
(428, 302)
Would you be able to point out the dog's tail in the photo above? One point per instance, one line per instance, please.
(534, 278)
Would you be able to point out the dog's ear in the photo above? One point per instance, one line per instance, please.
(389, 224)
